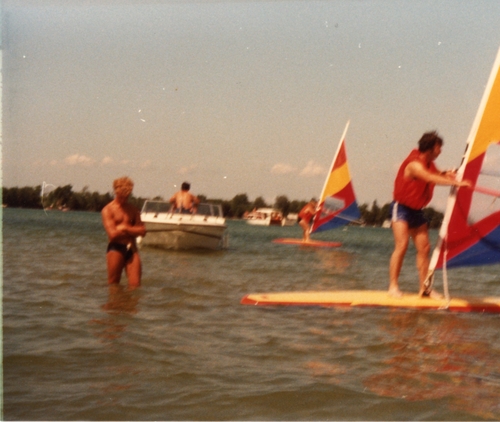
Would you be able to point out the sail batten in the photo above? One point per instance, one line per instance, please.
(337, 204)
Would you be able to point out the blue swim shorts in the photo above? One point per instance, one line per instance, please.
(414, 218)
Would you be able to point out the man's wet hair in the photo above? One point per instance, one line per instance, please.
(429, 140)
(185, 186)
(123, 186)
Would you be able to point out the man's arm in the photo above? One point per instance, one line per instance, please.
(135, 230)
(416, 170)
(109, 224)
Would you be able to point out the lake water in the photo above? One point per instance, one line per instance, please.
(182, 347)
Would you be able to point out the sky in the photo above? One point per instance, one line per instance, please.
(237, 96)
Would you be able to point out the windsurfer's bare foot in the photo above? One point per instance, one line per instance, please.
(395, 293)
(432, 294)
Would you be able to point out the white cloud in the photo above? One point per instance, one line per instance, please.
(146, 164)
(312, 169)
(107, 160)
(76, 160)
(186, 170)
(282, 168)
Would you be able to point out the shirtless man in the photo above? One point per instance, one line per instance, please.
(183, 201)
(413, 190)
(123, 224)
(305, 216)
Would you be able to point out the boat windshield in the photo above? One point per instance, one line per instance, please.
(156, 207)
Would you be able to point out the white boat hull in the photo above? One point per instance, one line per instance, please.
(183, 231)
(265, 217)
(260, 222)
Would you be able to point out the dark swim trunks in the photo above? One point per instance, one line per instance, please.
(414, 218)
(126, 250)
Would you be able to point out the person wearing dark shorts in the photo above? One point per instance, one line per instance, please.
(414, 218)
(183, 201)
(413, 189)
(122, 222)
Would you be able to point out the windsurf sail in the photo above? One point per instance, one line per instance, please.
(337, 204)
(470, 233)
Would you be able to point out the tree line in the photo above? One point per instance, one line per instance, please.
(64, 198)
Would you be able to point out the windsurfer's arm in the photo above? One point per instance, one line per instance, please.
(416, 170)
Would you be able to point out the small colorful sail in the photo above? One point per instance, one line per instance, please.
(337, 204)
(470, 234)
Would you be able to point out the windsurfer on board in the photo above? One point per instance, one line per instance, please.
(305, 216)
(122, 222)
(413, 189)
(183, 201)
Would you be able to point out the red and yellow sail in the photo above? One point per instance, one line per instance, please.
(470, 234)
(337, 204)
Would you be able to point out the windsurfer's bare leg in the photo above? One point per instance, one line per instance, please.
(305, 228)
(420, 237)
(401, 238)
(422, 244)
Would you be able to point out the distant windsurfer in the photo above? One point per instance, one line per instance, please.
(184, 202)
(413, 189)
(122, 222)
(306, 214)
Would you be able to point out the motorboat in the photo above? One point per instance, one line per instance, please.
(290, 220)
(203, 229)
(265, 217)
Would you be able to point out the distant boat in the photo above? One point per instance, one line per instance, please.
(206, 229)
(290, 220)
(337, 204)
(265, 217)
(386, 224)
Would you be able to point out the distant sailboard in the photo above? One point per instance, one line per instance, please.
(311, 243)
(337, 204)
(371, 298)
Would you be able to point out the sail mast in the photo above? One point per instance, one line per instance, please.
(333, 161)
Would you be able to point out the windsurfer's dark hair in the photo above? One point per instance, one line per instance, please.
(429, 140)
(185, 186)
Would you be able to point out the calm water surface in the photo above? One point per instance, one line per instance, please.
(182, 347)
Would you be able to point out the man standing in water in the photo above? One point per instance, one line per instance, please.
(183, 201)
(413, 189)
(305, 216)
(122, 222)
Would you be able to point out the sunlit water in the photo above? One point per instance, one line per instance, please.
(183, 347)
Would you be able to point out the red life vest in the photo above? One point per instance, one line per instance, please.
(413, 193)
(305, 214)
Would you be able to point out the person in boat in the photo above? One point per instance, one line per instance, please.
(122, 222)
(305, 217)
(413, 190)
(184, 202)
